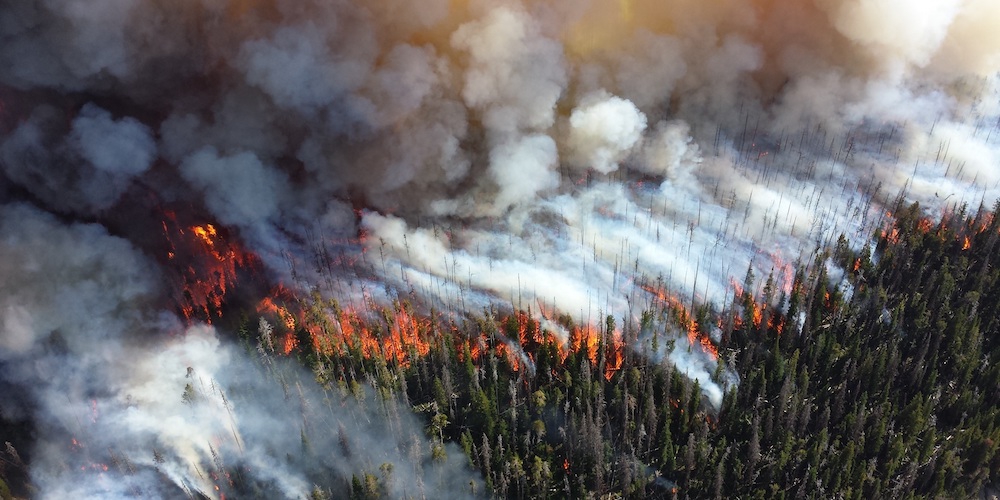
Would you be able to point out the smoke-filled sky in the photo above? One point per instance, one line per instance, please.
(548, 155)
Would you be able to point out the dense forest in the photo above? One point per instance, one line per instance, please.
(499, 249)
(881, 383)
(873, 373)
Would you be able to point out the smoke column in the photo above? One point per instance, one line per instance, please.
(562, 156)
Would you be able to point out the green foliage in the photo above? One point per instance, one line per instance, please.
(882, 386)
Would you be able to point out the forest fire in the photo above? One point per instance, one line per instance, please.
(959, 235)
(985, 221)
(394, 188)
(756, 312)
(507, 352)
(399, 337)
(205, 266)
(891, 235)
(783, 271)
(587, 339)
(777, 323)
(615, 356)
(686, 320)
(889, 231)
(399, 334)
(584, 338)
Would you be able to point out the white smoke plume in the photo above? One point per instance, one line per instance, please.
(602, 131)
(543, 155)
(129, 403)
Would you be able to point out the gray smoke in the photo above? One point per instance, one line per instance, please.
(545, 155)
(127, 402)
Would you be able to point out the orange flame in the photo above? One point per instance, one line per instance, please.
(403, 335)
(785, 275)
(289, 343)
(504, 350)
(694, 335)
(206, 234)
(615, 357)
(757, 314)
(986, 222)
(586, 338)
(776, 323)
(206, 264)
(892, 235)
